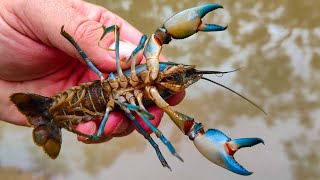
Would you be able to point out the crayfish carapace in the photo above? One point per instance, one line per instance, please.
(130, 90)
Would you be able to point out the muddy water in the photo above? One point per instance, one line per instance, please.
(277, 43)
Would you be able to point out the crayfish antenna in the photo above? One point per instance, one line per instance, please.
(251, 102)
(217, 72)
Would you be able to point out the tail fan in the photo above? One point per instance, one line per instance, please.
(49, 138)
(45, 134)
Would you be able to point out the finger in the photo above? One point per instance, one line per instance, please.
(157, 112)
(129, 35)
(87, 34)
(86, 128)
(85, 26)
(176, 99)
(98, 13)
(117, 125)
(90, 128)
(105, 60)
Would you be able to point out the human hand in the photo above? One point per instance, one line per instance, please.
(37, 59)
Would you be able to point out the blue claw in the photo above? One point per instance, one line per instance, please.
(212, 27)
(219, 149)
(188, 22)
(204, 9)
(245, 142)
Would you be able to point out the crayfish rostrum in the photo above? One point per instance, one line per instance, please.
(130, 91)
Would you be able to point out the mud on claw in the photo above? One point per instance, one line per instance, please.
(132, 90)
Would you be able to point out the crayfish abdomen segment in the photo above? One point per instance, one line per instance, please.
(86, 99)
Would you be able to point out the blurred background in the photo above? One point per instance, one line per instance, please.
(277, 43)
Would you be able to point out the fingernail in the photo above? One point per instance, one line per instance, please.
(86, 128)
(93, 127)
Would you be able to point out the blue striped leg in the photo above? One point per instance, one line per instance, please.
(147, 136)
(137, 50)
(116, 30)
(131, 107)
(159, 134)
(82, 54)
(133, 57)
(102, 124)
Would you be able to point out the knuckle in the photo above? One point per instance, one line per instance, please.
(87, 30)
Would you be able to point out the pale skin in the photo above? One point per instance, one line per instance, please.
(36, 58)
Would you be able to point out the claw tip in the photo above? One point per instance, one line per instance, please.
(220, 6)
(225, 27)
(259, 140)
(215, 6)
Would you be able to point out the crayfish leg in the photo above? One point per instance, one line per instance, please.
(148, 137)
(133, 76)
(81, 52)
(104, 121)
(115, 28)
(144, 116)
(183, 122)
(212, 144)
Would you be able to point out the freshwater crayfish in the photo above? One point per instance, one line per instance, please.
(132, 90)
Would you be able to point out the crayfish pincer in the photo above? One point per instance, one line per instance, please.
(132, 90)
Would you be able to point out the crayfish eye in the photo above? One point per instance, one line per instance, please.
(170, 78)
(175, 78)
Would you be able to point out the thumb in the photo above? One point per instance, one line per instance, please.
(84, 21)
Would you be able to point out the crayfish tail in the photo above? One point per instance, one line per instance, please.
(36, 108)
(49, 138)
